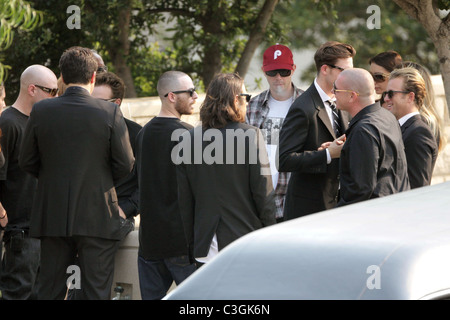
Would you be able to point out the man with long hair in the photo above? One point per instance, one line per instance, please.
(225, 185)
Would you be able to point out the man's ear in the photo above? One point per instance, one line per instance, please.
(94, 75)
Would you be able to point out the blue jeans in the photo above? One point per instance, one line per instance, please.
(156, 276)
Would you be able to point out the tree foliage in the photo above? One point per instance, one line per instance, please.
(16, 14)
(347, 21)
(197, 37)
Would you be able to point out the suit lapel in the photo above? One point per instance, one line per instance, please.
(409, 122)
(322, 112)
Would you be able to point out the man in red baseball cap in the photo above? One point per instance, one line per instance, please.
(268, 110)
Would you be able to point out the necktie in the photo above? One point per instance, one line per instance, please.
(336, 120)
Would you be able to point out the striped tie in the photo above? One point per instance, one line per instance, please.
(337, 123)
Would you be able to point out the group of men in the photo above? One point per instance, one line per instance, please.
(76, 171)
(336, 141)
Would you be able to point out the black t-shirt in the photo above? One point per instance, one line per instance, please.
(161, 233)
(17, 187)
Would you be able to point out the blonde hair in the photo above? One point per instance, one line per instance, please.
(428, 106)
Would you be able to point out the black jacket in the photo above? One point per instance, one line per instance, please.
(229, 191)
(314, 184)
(373, 160)
(421, 151)
(78, 148)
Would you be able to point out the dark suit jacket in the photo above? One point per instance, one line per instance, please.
(127, 189)
(373, 161)
(78, 148)
(314, 184)
(421, 151)
(229, 199)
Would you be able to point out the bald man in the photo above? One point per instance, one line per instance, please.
(163, 250)
(373, 161)
(17, 187)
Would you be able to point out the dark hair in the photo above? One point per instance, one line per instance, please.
(331, 51)
(113, 81)
(389, 60)
(219, 108)
(77, 65)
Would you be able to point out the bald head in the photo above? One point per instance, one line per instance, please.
(171, 81)
(354, 90)
(38, 74)
(358, 80)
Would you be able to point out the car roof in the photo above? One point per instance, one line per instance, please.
(395, 247)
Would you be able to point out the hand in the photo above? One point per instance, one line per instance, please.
(121, 213)
(324, 146)
(3, 221)
(335, 147)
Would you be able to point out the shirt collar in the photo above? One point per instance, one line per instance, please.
(322, 93)
(405, 118)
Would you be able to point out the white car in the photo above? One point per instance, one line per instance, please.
(396, 247)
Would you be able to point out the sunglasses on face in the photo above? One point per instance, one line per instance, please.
(247, 96)
(281, 72)
(50, 91)
(380, 77)
(335, 67)
(190, 91)
(335, 90)
(391, 93)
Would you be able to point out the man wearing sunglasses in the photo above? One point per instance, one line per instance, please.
(163, 250)
(405, 95)
(17, 188)
(310, 122)
(78, 146)
(373, 160)
(268, 110)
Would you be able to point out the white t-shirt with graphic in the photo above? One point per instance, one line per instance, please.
(271, 131)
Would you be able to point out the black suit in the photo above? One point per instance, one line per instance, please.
(421, 151)
(78, 148)
(373, 161)
(229, 199)
(314, 184)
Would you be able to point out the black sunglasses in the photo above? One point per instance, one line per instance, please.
(51, 92)
(335, 67)
(102, 69)
(281, 72)
(190, 91)
(247, 96)
(391, 93)
(380, 77)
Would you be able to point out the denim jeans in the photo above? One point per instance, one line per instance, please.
(19, 267)
(156, 276)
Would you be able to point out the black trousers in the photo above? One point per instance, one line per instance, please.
(86, 263)
(20, 265)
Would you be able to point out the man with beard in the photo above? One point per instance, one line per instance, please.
(163, 251)
(269, 108)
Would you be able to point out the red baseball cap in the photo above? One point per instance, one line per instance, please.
(278, 57)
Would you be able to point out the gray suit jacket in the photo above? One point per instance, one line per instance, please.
(78, 148)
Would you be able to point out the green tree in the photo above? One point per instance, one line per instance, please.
(200, 38)
(14, 15)
(418, 29)
(434, 16)
(347, 21)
